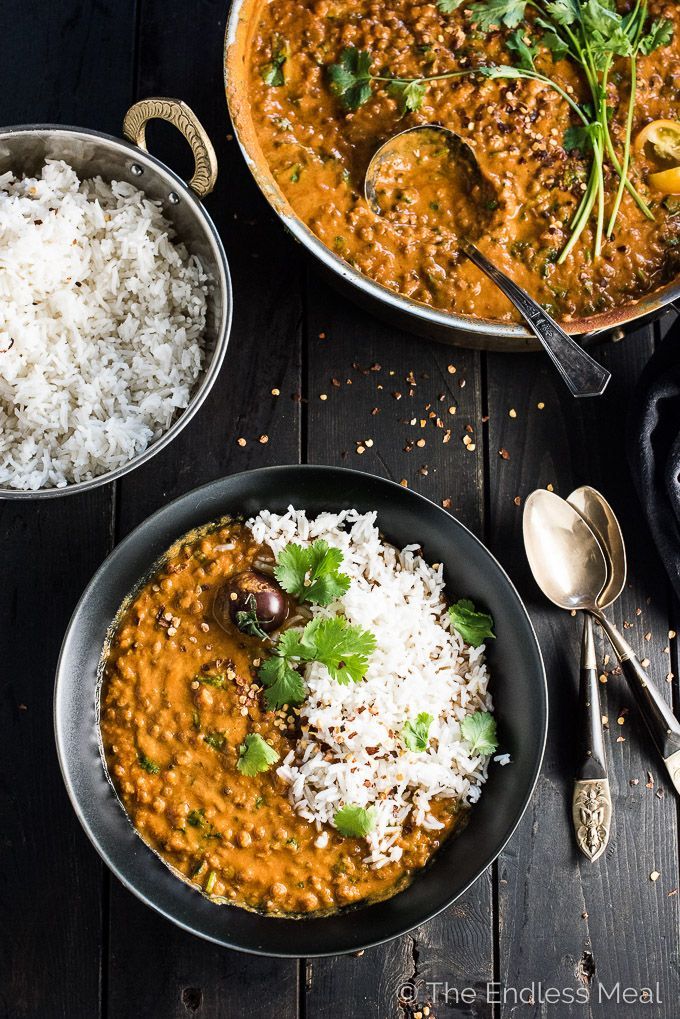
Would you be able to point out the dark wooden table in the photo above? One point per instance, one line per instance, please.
(74, 942)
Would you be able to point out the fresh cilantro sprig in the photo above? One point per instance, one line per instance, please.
(479, 730)
(592, 34)
(473, 626)
(416, 734)
(311, 574)
(351, 81)
(255, 755)
(355, 822)
(343, 649)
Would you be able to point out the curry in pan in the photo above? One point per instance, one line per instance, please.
(571, 108)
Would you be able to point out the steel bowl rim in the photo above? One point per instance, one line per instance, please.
(597, 326)
(63, 752)
(223, 331)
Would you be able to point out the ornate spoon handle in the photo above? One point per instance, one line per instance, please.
(591, 804)
(583, 375)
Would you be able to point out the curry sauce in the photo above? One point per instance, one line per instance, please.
(318, 153)
(179, 697)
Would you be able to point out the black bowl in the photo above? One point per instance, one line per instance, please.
(518, 687)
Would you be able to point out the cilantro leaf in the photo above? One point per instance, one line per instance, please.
(149, 766)
(216, 740)
(416, 734)
(480, 732)
(448, 6)
(354, 822)
(488, 14)
(255, 755)
(564, 12)
(350, 79)
(247, 620)
(272, 72)
(409, 93)
(660, 34)
(283, 684)
(473, 626)
(311, 574)
(344, 649)
(524, 48)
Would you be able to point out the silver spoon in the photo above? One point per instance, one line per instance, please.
(591, 801)
(569, 566)
(581, 373)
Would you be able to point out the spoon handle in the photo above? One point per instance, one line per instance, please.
(592, 759)
(583, 375)
(591, 805)
(663, 726)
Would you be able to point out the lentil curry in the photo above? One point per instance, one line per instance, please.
(179, 698)
(317, 150)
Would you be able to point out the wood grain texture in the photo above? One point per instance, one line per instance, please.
(373, 394)
(177, 975)
(564, 920)
(57, 65)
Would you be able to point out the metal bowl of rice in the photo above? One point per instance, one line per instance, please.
(517, 687)
(116, 299)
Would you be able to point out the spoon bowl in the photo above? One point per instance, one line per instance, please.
(565, 556)
(430, 169)
(602, 520)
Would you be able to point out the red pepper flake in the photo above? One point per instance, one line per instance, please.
(322, 336)
(396, 395)
(446, 503)
(517, 500)
(503, 453)
(335, 383)
(374, 411)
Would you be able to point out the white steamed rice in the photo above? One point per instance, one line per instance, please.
(351, 751)
(101, 317)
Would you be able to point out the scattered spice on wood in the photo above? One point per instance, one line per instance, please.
(541, 406)
(404, 483)
(323, 396)
(512, 413)
(276, 392)
(264, 439)
(420, 442)
(517, 500)
(241, 441)
(550, 488)
(451, 369)
(654, 876)
(503, 454)
(446, 503)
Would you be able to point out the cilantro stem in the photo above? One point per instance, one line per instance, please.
(626, 151)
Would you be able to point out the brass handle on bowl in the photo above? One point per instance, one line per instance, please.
(185, 120)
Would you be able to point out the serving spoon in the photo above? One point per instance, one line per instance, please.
(569, 565)
(581, 373)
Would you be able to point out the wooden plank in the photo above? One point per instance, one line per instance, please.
(176, 974)
(371, 391)
(57, 66)
(564, 921)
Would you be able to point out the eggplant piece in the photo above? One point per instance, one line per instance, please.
(252, 602)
